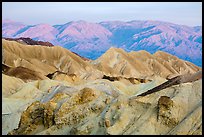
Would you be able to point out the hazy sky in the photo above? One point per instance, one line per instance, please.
(185, 13)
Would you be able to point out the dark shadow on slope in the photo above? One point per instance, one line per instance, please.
(23, 73)
(22, 30)
(131, 79)
(175, 81)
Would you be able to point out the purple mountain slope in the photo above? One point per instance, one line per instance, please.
(10, 28)
(84, 37)
(182, 41)
(91, 40)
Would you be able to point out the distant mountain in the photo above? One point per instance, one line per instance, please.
(183, 41)
(11, 28)
(91, 40)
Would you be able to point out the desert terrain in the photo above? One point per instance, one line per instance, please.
(49, 90)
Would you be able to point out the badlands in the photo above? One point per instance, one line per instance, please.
(49, 90)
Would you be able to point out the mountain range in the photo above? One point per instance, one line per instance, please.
(91, 40)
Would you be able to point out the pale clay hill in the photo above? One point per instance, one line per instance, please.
(50, 90)
(46, 60)
(141, 64)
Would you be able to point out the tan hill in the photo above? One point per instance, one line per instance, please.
(46, 60)
(29, 41)
(141, 64)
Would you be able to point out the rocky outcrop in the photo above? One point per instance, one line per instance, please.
(175, 81)
(29, 41)
(165, 105)
(131, 79)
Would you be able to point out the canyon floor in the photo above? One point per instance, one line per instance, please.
(49, 90)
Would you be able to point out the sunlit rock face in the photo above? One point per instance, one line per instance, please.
(141, 64)
(46, 60)
(52, 91)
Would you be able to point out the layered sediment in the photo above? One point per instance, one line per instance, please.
(52, 91)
